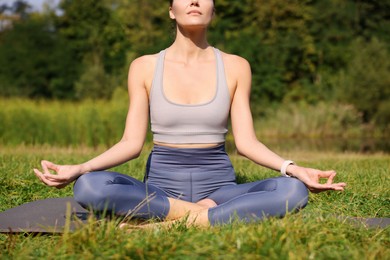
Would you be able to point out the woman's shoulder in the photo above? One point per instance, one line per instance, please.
(143, 66)
(145, 60)
(234, 62)
(142, 70)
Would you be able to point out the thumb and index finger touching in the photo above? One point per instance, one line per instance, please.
(329, 185)
(46, 167)
(51, 179)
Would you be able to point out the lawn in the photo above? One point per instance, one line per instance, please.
(317, 232)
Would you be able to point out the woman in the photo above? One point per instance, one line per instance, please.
(189, 89)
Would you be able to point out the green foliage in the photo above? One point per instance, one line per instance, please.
(98, 43)
(145, 24)
(366, 81)
(83, 24)
(372, 17)
(273, 36)
(34, 62)
(382, 116)
(297, 49)
(333, 29)
(94, 83)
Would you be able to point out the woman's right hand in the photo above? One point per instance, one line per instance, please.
(64, 174)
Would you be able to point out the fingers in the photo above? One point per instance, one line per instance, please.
(43, 178)
(316, 187)
(329, 183)
(339, 186)
(331, 175)
(327, 174)
(46, 165)
(49, 182)
(325, 187)
(58, 180)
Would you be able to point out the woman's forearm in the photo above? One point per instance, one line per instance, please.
(261, 154)
(121, 152)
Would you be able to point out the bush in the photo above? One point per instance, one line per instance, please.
(94, 83)
(382, 117)
(61, 123)
(366, 81)
(304, 120)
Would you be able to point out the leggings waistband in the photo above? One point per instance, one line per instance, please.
(219, 147)
(163, 157)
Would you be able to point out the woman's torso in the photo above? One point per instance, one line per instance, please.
(191, 83)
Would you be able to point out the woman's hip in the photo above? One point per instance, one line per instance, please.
(189, 174)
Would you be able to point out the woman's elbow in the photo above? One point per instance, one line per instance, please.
(241, 147)
(134, 147)
(137, 149)
(137, 153)
(245, 143)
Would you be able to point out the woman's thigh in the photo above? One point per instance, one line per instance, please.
(120, 194)
(251, 201)
(229, 192)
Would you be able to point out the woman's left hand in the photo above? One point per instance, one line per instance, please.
(311, 178)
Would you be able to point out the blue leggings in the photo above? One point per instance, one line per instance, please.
(190, 175)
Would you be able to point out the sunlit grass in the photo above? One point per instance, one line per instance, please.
(316, 232)
(101, 122)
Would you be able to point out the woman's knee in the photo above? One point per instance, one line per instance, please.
(87, 188)
(293, 192)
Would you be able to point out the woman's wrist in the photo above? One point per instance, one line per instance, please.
(85, 168)
(292, 170)
(284, 168)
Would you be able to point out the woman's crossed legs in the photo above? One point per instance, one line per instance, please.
(124, 195)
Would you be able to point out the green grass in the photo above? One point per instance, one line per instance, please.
(313, 233)
(101, 122)
(61, 123)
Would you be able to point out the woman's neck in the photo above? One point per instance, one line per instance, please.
(189, 45)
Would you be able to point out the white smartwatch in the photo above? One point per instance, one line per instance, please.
(284, 168)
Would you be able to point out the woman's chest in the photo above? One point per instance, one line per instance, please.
(192, 84)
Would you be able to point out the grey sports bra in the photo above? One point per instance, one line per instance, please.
(189, 124)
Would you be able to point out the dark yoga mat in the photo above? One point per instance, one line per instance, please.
(370, 222)
(43, 216)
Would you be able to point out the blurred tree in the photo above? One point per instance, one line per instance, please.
(82, 23)
(21, 8)
(96, 42)
(297, 48)
(145, 23)
(366, 80)
(94, 82)
(274, 37)
(34, 62)
(373, 19)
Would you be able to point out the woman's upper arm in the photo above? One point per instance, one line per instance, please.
(241, 116)
(138, 112)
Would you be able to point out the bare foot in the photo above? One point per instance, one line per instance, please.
(207, 203)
